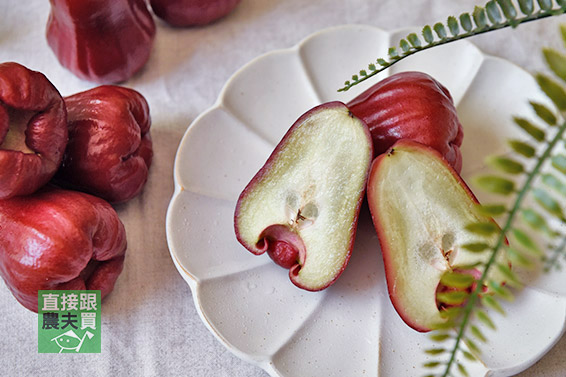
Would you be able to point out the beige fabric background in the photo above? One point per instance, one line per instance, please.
(150, 325)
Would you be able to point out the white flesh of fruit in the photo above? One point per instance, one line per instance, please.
(422, 209)
(319, 169)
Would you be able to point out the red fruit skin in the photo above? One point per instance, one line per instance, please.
(411, 105)
(110, 149)
(283, 246)
(59, 239)
(32, 109)
(103, 41)
(183, 13)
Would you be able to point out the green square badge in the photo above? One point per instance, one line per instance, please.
(69, 322)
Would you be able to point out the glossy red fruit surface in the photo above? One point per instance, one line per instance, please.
(103, 41)
(110, 149)
(59, 239)
(33, 130)
(184, 13)
(415, 106)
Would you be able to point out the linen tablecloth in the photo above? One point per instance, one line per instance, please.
(150, 325)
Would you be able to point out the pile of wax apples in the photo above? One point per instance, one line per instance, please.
(62, 160)
(108, 41)
(399, 139)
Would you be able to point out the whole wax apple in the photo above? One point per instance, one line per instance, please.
(420, 207)
(411, 105)
(59, 239)
(104, 41)
(302, 206)
(33, 130)
(110, 149)
(192, 12)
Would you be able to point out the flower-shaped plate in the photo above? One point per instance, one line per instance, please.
(350, 328)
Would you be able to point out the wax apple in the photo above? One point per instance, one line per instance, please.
(420, 207)
(33, 130)
(110, 149)
(104, 41)
(192, 12)
(302, 206)
(411, 105)
(59, 239)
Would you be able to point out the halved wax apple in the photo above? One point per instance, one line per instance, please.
(302, 206)
(420, 207)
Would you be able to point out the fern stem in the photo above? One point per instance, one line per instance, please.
(496, 249)
(541, 14)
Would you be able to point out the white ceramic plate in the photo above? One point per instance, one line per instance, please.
(351, 328)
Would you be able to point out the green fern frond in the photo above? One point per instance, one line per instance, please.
(495, 15)
(484, 318)
(536, 221)
(538, 204)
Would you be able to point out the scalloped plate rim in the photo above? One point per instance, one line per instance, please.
(193, 281)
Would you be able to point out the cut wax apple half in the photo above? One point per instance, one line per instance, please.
(302, 206)
(420, 207)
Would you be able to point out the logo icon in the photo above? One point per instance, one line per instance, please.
(68, 339)
(69, 322)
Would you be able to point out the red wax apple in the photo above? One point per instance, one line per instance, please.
(58, 239)
(110, 150)
(192, 12)
(411, 105)
(420, 207)
(302, 206)
(33, 131)
(104, 41)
